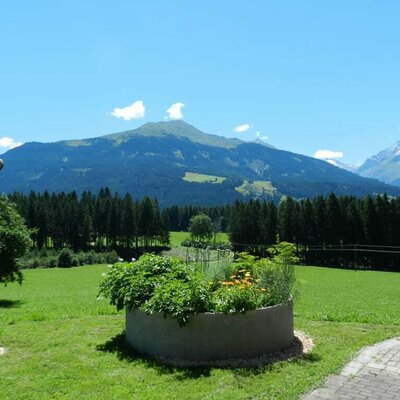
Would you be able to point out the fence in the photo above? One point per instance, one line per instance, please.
(356, 256)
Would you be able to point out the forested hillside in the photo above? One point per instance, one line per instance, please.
(178, 164)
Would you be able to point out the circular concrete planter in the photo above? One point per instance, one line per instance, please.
(212, 337)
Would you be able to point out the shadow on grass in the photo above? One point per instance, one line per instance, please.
(10, 303)
(120, 347)
(256, 366)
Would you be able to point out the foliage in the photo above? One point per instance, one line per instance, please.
(98, 222)
(200, 228)
(241, 292)
(66, 258)
(283, 253)
(15, 241)
(48, 258)
(330, 231)
(261, 282)
(202, 245)
(177, 298)
(132, 284)
(238, 300)
(178, 290)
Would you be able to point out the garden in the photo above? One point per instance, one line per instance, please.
(63, 343)
(204, 299)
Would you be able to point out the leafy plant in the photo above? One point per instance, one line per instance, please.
(15, 241)
(155, 283)
(66, 258)
(238, 299)
(179, 299)
(179, 290)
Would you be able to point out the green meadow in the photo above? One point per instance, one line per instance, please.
(176, 238)
(64, 343)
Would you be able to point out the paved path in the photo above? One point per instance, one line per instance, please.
(373, 375)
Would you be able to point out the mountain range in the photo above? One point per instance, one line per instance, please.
(384, 166)
(178, 164)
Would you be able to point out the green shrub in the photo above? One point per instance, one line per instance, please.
(131, 284)
(111, 257)
(65, 258)
(179, 298)
(237, 300)
(49, 258)
(51, 262)
(177, 290)
(155, 283)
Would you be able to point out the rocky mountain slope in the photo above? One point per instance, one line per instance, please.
(384, 166)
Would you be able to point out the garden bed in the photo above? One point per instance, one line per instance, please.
(204, 312)
(209, 337)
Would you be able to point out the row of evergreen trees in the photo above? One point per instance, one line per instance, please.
(104, 220)
(316, 225)
(66, 219)
(325, 221)
(336, 231)
(178, 217)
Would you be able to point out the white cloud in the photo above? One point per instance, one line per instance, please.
(242, 128)
(175, 111)
(134, 111)
(9, 143)
(259, 136)
(327, 154)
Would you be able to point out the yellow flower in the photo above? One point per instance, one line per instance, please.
(263, 290)
(247, 274)
(233, 277)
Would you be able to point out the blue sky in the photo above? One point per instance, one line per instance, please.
(309, 75)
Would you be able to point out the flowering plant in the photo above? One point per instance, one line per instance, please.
(168, 285)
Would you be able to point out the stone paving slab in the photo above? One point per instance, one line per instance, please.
(374, 374)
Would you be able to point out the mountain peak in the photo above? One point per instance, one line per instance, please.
(384, 166)
(177, 128)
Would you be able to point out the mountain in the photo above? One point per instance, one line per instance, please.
(263, 143)
(178, 164)
(384, 166)
(347, 167)
(179, 129)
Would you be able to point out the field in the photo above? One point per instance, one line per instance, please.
(63, 343)
(202, 178)
(257, 188)
(177, 238)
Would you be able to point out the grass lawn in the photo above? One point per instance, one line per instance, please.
(176, 238)
(64, 344)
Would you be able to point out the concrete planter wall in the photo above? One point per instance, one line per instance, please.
(211, 337)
